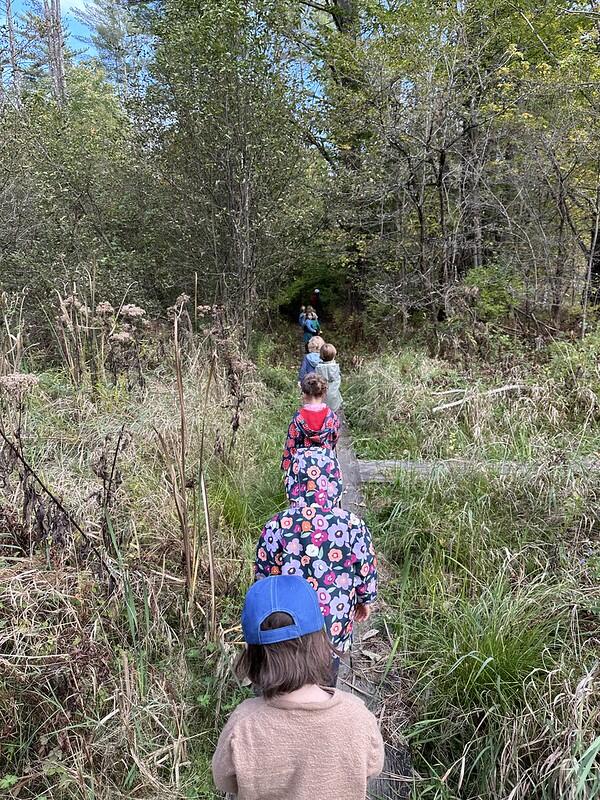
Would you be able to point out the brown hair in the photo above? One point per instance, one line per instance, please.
(328, 352)
(286, 666)
(315, 344)
(314, 385)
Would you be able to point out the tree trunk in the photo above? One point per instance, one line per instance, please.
(12, 53)
(55, 42)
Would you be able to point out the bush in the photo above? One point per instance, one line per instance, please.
(495, 287)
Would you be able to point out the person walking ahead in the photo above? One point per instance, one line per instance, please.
(312, 357)
(329, 369)
(298, 740)
(327, 545)
(313, 425)
(311, 326)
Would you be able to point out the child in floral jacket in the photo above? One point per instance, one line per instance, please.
(314, 425)
(327, 545)
(315, 470)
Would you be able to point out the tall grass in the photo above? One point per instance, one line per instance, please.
(106, 689)
(481, 518)
(408, 405)
(492, 597)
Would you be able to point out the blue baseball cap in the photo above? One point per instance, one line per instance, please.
(288, 593)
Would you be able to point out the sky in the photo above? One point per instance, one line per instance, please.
(72, 26)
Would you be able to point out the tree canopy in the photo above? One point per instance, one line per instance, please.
(408, 151)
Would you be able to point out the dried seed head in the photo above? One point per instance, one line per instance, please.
(132, 312)
(122, 337)
(104, 309)
(182, 300)
(18, 384)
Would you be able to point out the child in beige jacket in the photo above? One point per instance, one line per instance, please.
(298, 740)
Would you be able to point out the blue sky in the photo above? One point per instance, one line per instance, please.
(73, 27)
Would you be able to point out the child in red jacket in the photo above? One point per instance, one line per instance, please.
(313, 425)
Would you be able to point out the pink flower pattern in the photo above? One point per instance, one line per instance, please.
(304, 541)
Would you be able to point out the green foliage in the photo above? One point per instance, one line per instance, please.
(271, 356)
(486, 654)
(577, 365)
(486, 602)
(476, 517)
(496, 287)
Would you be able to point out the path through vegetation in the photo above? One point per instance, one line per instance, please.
(367, 674)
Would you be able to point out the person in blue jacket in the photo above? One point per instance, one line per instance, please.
(311, 326)
(312, 358)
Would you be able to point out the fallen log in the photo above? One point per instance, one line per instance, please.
(510, 387)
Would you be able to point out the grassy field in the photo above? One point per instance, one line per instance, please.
(493, 596)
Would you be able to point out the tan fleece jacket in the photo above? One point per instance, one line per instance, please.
(281, 750)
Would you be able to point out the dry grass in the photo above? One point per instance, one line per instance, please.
(114, 657)
(411, 406)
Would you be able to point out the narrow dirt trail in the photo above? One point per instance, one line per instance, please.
(367, 675)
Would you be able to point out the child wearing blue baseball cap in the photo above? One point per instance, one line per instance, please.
(299, 740)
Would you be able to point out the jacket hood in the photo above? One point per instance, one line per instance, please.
(310, 423)
(314, 478)
(313, 359)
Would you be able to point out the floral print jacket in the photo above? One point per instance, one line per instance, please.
(310, 427)
(329, 546)
(315, 470)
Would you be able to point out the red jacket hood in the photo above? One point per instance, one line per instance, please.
(311, 420)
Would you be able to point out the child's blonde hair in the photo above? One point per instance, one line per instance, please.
(315, 344)
(327, 352)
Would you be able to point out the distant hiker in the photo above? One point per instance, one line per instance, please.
(311, 326)
(313, 425)
(329, 546)
(315, 300)
(297, 740)
(312, 358)
(302, 316)
(329, 369)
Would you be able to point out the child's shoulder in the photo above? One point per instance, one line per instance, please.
(353, 705)
(248, 710)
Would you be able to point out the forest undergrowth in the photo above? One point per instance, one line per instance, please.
(129, 508)
(544, 408)
(493, 596)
